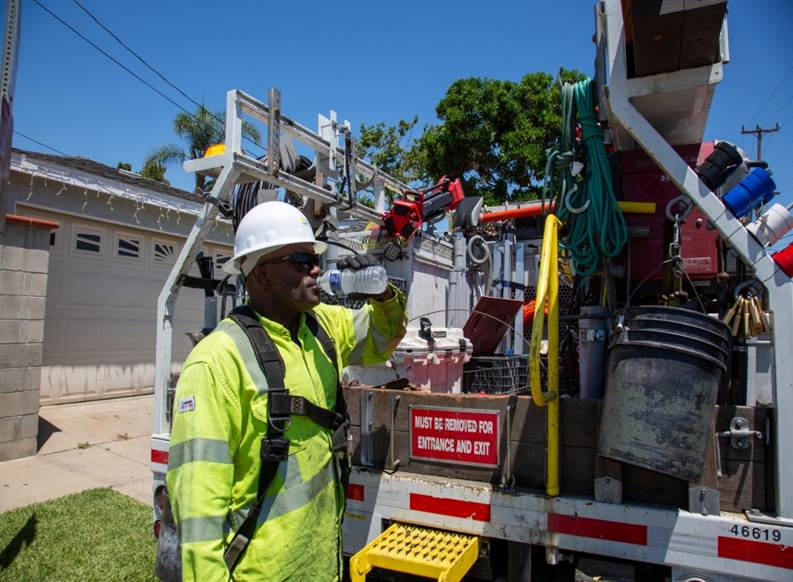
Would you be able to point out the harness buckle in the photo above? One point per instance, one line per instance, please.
(274, 450)
(341, 441)
(297, 406)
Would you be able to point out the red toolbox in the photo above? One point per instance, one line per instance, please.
(643, 181)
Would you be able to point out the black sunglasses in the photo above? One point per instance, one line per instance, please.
(306, 261)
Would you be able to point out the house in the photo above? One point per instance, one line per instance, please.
(117, 237)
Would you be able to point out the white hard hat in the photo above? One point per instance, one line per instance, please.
(267, 228)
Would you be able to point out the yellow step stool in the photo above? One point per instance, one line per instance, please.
(420, 551)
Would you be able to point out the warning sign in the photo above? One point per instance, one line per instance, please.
(453, 435)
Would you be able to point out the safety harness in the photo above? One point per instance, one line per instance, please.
(280, 407)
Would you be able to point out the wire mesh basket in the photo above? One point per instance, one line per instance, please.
(498, 374)
(568, 357)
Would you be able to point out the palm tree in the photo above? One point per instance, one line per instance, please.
(198, 131)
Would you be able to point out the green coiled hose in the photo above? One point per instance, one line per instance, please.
(595, 225)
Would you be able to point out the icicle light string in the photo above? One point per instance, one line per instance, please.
(138, 207)
(68, 180)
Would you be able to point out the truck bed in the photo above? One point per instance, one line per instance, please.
(746, 482)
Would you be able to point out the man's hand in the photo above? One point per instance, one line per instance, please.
(356, 262)
(361, 261)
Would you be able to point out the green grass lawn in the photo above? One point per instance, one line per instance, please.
(94, 535)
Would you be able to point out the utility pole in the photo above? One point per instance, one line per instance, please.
(759, 131)
(8, 65)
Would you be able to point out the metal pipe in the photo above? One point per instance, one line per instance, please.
(394, 462)
(535, 210)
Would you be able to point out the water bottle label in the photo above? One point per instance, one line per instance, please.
(335, 282)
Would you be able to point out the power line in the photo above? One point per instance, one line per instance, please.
(41, 143)
(785, 104)
(784, 148)
(771, 96)
(106, 54)
(128, 70)
(137, 56)
(150, 67)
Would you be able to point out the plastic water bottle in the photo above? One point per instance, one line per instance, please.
(367, 281)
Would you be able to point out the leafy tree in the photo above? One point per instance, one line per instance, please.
(154, 171)
(494, 134)
(383, 146)
(198, 131)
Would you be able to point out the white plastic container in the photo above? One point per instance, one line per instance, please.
(772, 225)
(434, 366)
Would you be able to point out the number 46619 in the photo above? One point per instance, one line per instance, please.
(756, 533)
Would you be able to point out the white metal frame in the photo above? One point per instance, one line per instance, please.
(617, 94)
(239, 104)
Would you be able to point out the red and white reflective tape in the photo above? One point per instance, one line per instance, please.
(450, 507)
(766, 553)
(601, 529)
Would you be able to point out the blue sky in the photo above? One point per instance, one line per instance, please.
(370, 61)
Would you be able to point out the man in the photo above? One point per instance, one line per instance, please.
(221, 412)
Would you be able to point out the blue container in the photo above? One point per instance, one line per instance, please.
(755, 189)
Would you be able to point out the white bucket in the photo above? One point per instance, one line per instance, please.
(772, 225)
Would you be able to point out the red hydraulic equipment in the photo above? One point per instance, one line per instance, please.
(418, 206)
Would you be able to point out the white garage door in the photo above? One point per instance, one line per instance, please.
(99, 331)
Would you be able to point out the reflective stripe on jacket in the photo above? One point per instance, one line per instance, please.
(220, 416)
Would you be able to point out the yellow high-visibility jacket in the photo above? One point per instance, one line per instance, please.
(220, 417)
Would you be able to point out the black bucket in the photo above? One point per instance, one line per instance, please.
(685, 317)
(682, 328)
(661, 391)
(669, 337)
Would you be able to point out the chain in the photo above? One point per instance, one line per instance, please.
(676, 265)
(675, 248)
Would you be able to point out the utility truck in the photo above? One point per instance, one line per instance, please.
(628, 397)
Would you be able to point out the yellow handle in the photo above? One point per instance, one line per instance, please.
(630, 207)
(548, 285)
